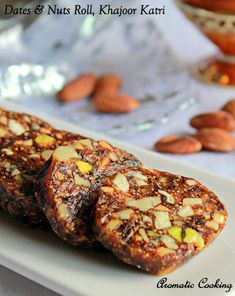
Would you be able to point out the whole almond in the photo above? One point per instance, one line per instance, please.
(108, 84)
(115, 103)
(230, 108)
(178, 145)
(215, 139)
(220, 119)
(77, 89)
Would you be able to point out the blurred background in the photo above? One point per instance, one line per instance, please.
(153, 54)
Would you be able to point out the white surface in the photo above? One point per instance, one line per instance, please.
(44, 258)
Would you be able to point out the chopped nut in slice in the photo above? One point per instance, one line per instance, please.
(3, 133)
(144, 204)
(192, 236)
(15, 127)
(169, 242)
(28, 142)
(147, 219)
(213, 225)
(105, 145)
(81, 181)
(162, 208)
(47, 154)
(169, 198)
(86, 142)
(7, 151)
(152, 233)
(192, 201)
(64, 153)
(84, 167)
(107, 189)
(185, 211)
(63, 211)
(113, 156)
(125, 214)
(219, 218)
(191, 182)
(121, 182)
(176, 233)
(143, 234)
(165, 251)
(113, 224)
(162, 220)
(45, 140)
(15, 172)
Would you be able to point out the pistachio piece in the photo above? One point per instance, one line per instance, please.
(192, 236)
(144, 204)
(169, 242)
(113, 224)
(44, 140)
(192, 201)
(64, 153)
(81, 181)
(169, 198)
(84, 167)
(176, 233)
(162, 220)
(15, 127)
(121, 182)
(125, 214)
(185, 211)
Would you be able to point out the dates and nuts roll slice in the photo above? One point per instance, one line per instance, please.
(70, 183)
(155, 220)
(21, 159)
(15, 124)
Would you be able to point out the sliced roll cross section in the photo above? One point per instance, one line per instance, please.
(156, 220)
(70, 183)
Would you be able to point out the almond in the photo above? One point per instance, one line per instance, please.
(215, 139)
(230, 108)
(115, 103)
(108, 84)
(77, 89)
(178, 145)
(220, 119)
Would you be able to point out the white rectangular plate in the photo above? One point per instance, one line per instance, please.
(70, 271)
